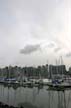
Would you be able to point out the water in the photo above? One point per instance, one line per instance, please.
(35, 97)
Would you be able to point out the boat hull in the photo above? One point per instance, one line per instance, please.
(59, 86)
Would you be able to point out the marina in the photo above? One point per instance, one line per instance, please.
(30, 87)
(35, 53)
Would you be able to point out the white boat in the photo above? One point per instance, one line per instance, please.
(46, 81)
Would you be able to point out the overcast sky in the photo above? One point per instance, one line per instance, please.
(34, 32)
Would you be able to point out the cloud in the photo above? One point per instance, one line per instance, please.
(51, 45)
(68, 54)
(28, 49)
(57, 49)
(28, 22)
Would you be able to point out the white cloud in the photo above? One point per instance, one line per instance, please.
(41, 22)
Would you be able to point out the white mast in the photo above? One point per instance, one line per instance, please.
(62, 64)
(56, 66)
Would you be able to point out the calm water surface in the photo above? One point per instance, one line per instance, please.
(35, 97)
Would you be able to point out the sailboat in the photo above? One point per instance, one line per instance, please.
(59, 84)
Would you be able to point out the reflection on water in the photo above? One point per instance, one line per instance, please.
(35, 97)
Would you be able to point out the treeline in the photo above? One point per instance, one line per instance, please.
(14, 72)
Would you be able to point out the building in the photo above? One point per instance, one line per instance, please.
(56, 70)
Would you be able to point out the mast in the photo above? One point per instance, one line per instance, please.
(56, 66)
(62, 65)
(48, 68)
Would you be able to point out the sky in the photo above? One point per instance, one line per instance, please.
(35, 32)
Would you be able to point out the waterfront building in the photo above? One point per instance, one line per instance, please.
(57, 70)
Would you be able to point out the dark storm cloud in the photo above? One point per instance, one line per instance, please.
(28, 49)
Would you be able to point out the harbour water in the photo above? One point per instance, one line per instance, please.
(35, 97)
